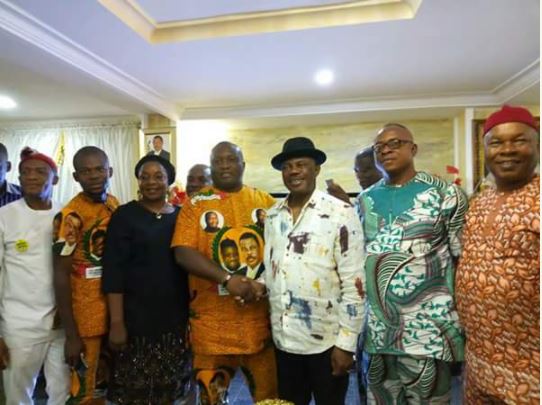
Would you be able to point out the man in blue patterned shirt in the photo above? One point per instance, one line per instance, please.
(8, 192)
(412, 223)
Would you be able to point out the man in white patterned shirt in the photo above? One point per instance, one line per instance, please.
(313, 259)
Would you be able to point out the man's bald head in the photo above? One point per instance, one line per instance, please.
(199, 168)
(226, 145)
(366, 152)
(399, 129)
(227, 166)
(198, 177)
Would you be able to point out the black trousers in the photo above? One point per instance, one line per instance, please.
(300, 375)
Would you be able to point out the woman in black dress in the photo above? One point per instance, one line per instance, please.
(147, 295)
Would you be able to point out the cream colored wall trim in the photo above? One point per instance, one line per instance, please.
(300, 18)
(108, 121)
(131, 14)
(21, 24)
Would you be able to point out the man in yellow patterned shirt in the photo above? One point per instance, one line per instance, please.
(78, 269)
(224, 334)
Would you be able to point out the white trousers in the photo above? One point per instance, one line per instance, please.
(22, 372)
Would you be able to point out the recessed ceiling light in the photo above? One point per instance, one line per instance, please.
(7, 103)
(324, 77)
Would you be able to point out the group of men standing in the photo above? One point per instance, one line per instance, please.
(410, 264)
(53, 312)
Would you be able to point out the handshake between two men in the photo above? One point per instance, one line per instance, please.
(244, 289)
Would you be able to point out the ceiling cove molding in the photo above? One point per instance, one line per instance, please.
(345, 106)
(299, 18)
(518, 83)
(23, 25)
(511, 87)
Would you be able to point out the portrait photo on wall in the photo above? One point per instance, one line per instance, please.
(239, 251)
(158, 144)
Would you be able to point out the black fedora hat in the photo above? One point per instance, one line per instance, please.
(298, 147)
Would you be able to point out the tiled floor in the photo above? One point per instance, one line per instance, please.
(239, 394)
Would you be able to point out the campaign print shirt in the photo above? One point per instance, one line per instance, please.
(219, 225)
(412, 235)
(314, 275)
(79, 231)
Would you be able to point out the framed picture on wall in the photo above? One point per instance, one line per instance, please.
(159, 143)
(479, 165)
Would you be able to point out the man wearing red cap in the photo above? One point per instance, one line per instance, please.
(498, 279)
(30, 337)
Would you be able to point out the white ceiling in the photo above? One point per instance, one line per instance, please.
(76, 59)
(46, 87)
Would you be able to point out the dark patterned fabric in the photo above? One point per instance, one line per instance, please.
(153, 372)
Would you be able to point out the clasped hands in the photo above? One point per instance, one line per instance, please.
(245, 289)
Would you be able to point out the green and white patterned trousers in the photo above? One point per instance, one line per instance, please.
(408, 380)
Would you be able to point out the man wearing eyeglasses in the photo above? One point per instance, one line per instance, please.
(412, 223)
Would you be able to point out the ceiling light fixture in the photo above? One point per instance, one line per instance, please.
(7, 103)
(324, 77)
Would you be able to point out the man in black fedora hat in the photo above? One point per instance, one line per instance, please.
(313, 257)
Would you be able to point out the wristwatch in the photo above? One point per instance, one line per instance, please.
(226, 280)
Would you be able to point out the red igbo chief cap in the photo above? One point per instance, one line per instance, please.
(510, 114)
(28, 154)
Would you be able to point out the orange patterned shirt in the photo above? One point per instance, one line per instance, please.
(497, 292)
(80, 232)
(221, 225)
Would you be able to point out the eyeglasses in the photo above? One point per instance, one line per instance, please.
(393, 145)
